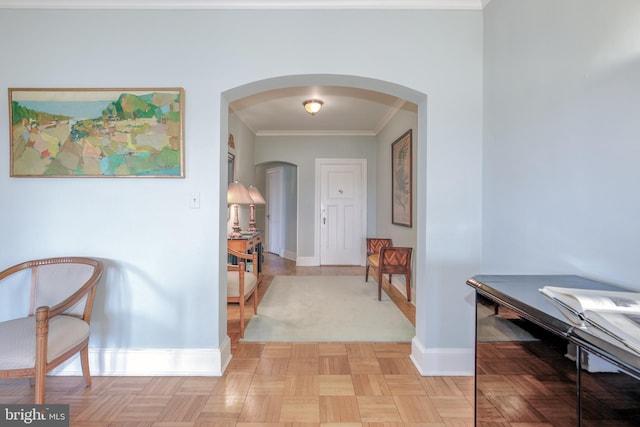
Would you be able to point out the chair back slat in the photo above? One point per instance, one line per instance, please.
(374, 245)
(395, 260)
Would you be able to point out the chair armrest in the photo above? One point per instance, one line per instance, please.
(14, 269)
(242, 255)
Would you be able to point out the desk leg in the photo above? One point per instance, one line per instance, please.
(260, 257)
(578, 384)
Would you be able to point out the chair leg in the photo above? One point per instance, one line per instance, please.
(84, 362)
(379, 284)
(408, 280)
(42, 331)
(40, 389)
(255, 300)
(366, 273)
(241, 316)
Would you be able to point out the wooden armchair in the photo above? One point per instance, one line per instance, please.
(241, 284)
(56, 322)
(388, 259)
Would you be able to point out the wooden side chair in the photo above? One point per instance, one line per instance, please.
(388, 259)
(241, 284)
(56, 325)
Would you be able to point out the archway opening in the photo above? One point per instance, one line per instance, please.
(417, 98)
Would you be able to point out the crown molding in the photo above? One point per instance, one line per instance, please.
(315, 133)
(245, 4)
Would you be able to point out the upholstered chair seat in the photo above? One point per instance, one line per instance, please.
(372, 260)
(18, 350)
(233, 283)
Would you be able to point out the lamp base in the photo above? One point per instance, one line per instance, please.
(236, 233)
(236, 224)
(252, 219)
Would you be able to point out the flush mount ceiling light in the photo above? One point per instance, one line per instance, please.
(312, 106)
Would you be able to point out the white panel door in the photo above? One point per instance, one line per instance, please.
(341, 214)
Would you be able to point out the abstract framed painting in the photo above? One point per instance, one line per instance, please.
(97, 132)
(401, 181)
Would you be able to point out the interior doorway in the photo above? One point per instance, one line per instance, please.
(341, 194)
(274, 230)
(417, 98)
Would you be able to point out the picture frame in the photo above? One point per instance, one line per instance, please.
(402, 180)
(96, 132)
(231, 166)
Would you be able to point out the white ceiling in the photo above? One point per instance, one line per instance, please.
(245, 4)
(346, 111)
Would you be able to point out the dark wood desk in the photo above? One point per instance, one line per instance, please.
(532, 366)
(248, 243)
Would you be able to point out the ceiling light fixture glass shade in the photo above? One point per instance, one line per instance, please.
(312, 106)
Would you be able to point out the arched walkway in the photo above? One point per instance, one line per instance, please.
(359, 82)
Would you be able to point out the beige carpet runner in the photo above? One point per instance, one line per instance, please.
(327, 309)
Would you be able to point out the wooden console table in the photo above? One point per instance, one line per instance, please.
(534, 367)
(248, 243)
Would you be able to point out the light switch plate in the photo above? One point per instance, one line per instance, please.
(194, 200)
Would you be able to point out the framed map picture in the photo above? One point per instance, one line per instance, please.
(401, 179)
(97, 132)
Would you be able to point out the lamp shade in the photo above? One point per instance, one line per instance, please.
(256, 196)
(237, 194)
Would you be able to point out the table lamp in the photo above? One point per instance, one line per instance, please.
(237, 194)
(257, 200)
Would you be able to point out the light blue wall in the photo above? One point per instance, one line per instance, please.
(562, 138)
(162, 287)
(402, 122)
(402, 236)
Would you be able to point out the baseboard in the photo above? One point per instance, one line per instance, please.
(225, 354)
(400, 284)
(151, 362)
(291, 256)
(307, 262)
(442, 361)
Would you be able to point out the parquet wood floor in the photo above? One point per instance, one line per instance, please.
(274, 385)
